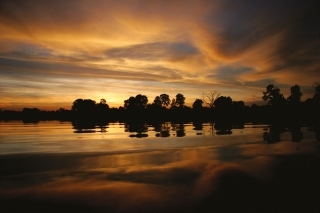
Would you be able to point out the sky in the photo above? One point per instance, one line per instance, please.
(54, 52)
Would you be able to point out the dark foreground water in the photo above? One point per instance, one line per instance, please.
(54, 167)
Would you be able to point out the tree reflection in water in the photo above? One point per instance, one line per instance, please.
(198, 126)
(139, 128)
(85, 126)
(179, 128)
(273, 135)
(162, 129)
(223, 127)
(296, 133)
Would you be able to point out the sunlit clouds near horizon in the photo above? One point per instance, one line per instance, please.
(53, 52)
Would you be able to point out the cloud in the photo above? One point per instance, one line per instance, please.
(153, 51)
(208, 43)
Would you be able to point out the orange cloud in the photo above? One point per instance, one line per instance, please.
(166, 44)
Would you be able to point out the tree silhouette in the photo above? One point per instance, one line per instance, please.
(277, 103)
(86, 105)
(157, 101)
(294, 106)
(31, 115)
(129, 103)
(316, 97)
(165, 100)
(88, 109)
(102, 105)
(141, 101)
(84, 109)
(135, 106)
(102, 109)
(316, 111)
(157, 111)
(138, 102)
(223, 106)
(197, 104)
(210, 97)
(173, 103)
(197, 109)
(223, 103)
(180, 100)
(238, 114)
(295, 97)
(273, 96)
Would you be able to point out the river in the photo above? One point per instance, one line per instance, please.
(55, 166)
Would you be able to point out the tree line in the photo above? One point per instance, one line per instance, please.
(211, 107)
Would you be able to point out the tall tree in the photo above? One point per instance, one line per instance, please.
(277, 112)
(84, 109)
(223, 107)
(273, 96)
(129, 103)
(223, 103)
(210, 97)
(165, 100)
(102, 106)
(173, 103)
(157, 101)
(316, 97)
(84, 105)
(197, 104)
(316, 111)
(180, 100)
(295, 97)
(140, 101)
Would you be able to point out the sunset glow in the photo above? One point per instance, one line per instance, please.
(53, 52)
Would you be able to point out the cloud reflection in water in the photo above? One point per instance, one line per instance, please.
(188, 179)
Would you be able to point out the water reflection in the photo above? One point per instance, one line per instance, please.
(162, 129)
(223, 128)
(179, 128)
(317, 131)
(273, 133)
(172, 129)
(296, 133)
(198, 125)
(139, 128)
(89, 126)
(162, 180)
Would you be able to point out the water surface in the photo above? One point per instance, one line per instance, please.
(53, 166)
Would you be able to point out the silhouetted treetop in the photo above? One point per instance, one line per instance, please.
(84, 105)
(103, 101)
(173, 103)
(165, 100)
(180, 100)
(316, 97)
(223, 102)
(238, 103)
(140, 101)
(295, 97)
(157, 101)
(102, 106)
(210, 97)
(197, 104)
(273, 96)
(317, 87)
